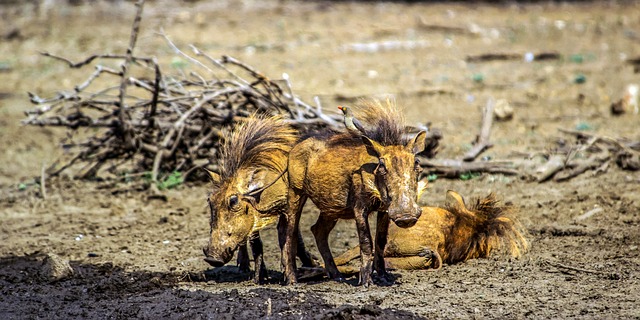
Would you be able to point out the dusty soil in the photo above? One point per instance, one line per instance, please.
(136, 257)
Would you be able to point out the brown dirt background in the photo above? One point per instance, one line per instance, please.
(148, 260)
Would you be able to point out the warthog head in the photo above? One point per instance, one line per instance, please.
(396, 178)
(250, 192)
(234, 216)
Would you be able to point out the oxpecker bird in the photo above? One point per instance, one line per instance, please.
(350, 122)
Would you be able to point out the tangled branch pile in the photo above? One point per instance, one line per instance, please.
(158, 124)
(590, 153)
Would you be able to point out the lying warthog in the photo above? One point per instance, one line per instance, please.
(250, 192)
(348, 176)
(452, 234)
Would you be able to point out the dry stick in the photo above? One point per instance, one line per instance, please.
(43, 188)
(154, 100)
(180, 52)
(453, 168)
(217, 64)
(485, 132)
(551, 167)
(123, 114)
(99, 70)
(592, 162)
(91, 58)
(596, 138)
(560, 265)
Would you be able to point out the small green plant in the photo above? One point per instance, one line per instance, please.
(171, 181)
(432, 177)
(469, 175)
(178, 63)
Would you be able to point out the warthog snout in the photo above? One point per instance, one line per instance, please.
(406, 219)
(406, 222)
(217, 260)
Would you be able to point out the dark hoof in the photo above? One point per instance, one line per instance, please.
(337, 278)
(385, 279)
(427, 253)
(261, 277)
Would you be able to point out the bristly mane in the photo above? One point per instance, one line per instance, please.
(258, 142)
(383, 122)
(490, 226)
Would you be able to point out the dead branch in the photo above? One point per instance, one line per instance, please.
(487, 57)
(482, 141)
(590, 153)
(123, 113)
(555, 164)
(454, 168)
(559, 265)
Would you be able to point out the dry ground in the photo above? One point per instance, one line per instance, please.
(137, 257)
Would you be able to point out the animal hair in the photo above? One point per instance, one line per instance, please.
(484, 226)
(383, 122)
(258, 142)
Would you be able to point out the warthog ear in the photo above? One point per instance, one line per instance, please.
(455, 199)
(374, 148)
(215, 178)
(416, 145)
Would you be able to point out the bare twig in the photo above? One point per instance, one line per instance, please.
(123, 114)
(454, 168)
(43, 178)
(482, 142)
(90, 59)
(564, 266)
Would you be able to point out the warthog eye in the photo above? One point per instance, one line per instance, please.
(233, 201)
(381, 169)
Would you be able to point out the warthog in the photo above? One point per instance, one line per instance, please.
(348, 176)
(452, 234)
(250, 192)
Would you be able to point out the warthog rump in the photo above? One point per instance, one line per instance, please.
(348, 176)
(250, 191)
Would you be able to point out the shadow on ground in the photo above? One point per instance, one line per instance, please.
(108, 291)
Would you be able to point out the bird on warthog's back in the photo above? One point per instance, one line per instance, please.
(348, 176)
(350, 122)
(250, 192)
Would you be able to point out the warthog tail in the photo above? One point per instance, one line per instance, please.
(480, 228)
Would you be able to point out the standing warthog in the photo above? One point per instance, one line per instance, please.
(250, 192)
(348, 176)
(452, 234)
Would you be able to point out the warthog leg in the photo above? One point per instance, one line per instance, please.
(428, 259)
(366, 250)
(260, 274)
(382, 231)
(303, 253)
(321, 231)
(243, 258)
(296, 203)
